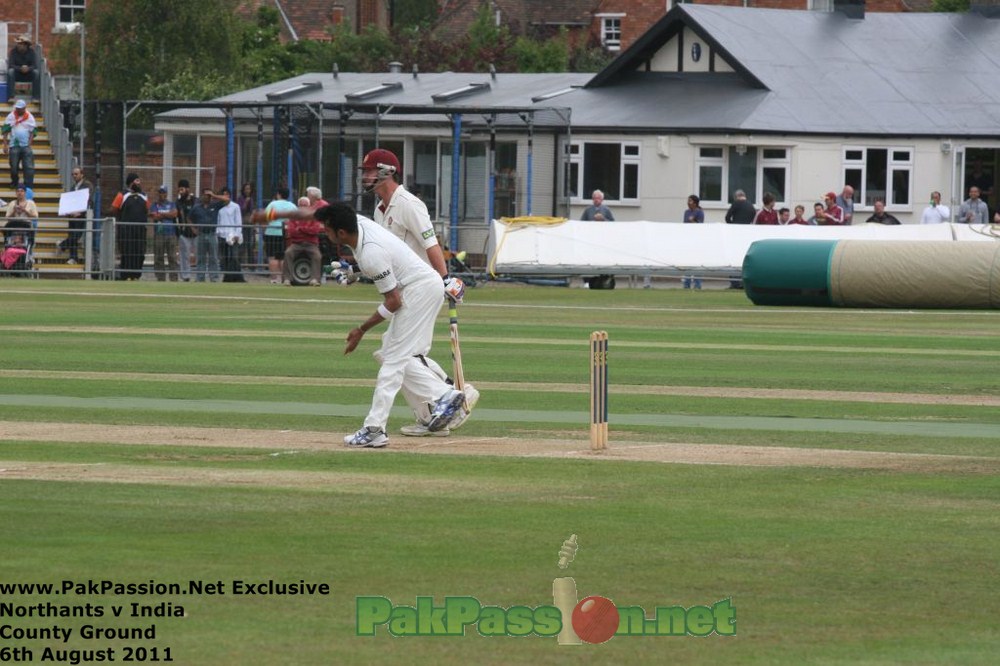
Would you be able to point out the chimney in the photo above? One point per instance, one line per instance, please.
(395, 67)
(852, 9)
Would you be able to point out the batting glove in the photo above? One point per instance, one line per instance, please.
(454, 288)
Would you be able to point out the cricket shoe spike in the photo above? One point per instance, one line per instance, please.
(445, 409)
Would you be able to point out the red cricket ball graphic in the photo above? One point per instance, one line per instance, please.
(595, 619)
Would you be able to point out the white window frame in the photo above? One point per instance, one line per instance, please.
(783, 163)
(722, 163)
(611, 24)
(575, 155)
(892, 167)
(72, 5)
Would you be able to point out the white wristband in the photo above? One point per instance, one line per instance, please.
(384, 312)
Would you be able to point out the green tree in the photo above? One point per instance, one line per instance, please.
(551, 55)
(950, 6)
(410, 13)
(154, 45)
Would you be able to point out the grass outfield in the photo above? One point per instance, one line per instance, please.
(832, 472)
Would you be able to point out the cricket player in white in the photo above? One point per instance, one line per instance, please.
(411, 298)
(406, 216)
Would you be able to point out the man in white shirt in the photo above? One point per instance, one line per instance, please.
(229, 232)
(411, 298)
(406, 216)
(935, 213)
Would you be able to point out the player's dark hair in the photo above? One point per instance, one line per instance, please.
(338, 216)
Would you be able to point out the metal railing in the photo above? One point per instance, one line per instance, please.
(62, 147)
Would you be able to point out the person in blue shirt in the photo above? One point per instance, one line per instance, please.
(163, 213)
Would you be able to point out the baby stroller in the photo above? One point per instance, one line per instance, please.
(17, 257)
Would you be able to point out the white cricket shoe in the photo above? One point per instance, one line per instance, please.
(445, 409)
(471, 398)
(421, 430)
(368, 437)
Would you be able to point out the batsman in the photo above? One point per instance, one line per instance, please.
(405, 215)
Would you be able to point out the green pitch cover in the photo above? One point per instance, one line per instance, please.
(788, 272)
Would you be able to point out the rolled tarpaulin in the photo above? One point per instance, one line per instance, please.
(788, 272)
(860, 273)
(915, 274)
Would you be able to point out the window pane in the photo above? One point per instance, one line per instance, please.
(852, 177)
(774, 153)
(774, 182)
(901, 187)
(631, 185)
(710, 152)
(572, 181)
(631, 150)
(876, 175)
(423, 181)
(710, 183)
(854, 155)
(743, 172)
(900, 156)
(602, 169)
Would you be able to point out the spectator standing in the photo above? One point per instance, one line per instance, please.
(846, 202)
(693, 214)
(973, 210)
(246, 200)
(77, 221)
(186, 230)
(405, 215)
(880, 216)
(131, 207)
(597, 211)
(799, 217)
(163, 213)
(767, 214)
(19, 131)
(833, 215)
(315, 196)
(741, 211)
(229, 233)
(979, 178)
(274, 235)
(819, 215)
(936, 212)
(784, 216)
(205, 218)
(22, 67)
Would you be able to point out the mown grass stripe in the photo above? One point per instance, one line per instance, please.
(907, 428)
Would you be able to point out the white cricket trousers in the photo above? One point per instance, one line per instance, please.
(409, 335)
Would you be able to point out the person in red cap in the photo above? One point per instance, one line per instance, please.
(834, 214)
(406, 216)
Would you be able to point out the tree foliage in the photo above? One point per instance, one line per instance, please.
(200, 49)
(950, 6)
(134, 44)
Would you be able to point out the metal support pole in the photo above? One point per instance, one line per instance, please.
(83, 105)
(456, 157)
(491, 161)
(230, 150)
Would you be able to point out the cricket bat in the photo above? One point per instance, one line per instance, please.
(456, 351)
